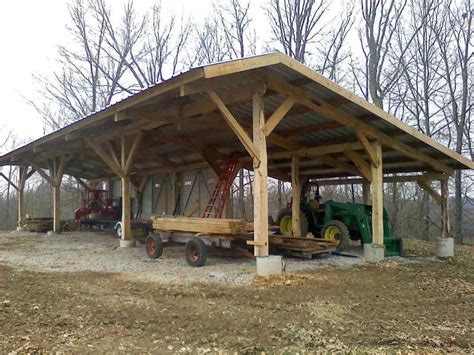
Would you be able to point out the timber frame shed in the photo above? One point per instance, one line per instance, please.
(286, 120)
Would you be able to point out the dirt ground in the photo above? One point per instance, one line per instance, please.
(416, 304)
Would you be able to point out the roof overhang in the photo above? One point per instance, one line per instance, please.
(183, 128)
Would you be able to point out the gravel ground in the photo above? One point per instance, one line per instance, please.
(89, 251)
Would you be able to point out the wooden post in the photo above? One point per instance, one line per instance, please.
(296, 196)
(126, 218)
(445, 228)
(21, 195)
(365, 192)
(57, 207)
(377, 198)
(260, 191)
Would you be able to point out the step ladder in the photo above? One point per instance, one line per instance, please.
(215, 206)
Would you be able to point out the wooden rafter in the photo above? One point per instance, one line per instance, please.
(320, 106)
(360, 163)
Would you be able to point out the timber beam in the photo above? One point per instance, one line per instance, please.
(235, 126)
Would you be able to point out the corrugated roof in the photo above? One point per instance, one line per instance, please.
(203, 132)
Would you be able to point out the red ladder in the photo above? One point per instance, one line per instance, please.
(216, 204)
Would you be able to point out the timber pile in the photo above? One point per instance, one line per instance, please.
(39, 225)
(307, 245)
(202, 225)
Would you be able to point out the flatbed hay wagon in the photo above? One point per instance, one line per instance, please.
(199, 234)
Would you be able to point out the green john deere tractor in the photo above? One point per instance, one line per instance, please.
(336, 221)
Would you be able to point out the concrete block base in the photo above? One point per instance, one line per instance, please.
(269, 265)
(51, 233)
(127, 243)
(444, 248)
(374, 252)
(20, 229)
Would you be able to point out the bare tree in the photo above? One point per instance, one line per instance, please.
(210, 43)
(332, 50)
(296, 23)
(240, 37)
(454, 38)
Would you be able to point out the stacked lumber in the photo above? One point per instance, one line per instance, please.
(39, 225)
(301, 244)
(201, 225)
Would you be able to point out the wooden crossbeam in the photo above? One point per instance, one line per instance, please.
(235, 126)
(278, 115)
(360, 163)
(433, 193)
(320, 106)
(43, 174)
(368, 148)
(81, 182)
(316, 151)
(117, 169)
(133, 151)
(112, 152)
(9, 181)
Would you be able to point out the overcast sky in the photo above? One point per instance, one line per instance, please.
(30, 32)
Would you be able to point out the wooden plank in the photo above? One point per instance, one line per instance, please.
(278, 115)
(377, 198)
(260, 188)
(329, 111)
(296, 197)
(239, 65)
(200, 225)
(235, 126)
(360, 163)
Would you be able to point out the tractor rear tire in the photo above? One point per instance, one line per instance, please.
(195, 252)
(336, 231)
(154, 246)
(284, 220)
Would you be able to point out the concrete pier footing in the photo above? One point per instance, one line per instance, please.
(269, 265)
(374, 252)
(444, 248)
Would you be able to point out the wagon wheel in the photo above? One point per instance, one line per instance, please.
(154, 246)
(195, 252)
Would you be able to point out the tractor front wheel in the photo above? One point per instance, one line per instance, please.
(284, 221)
(337, 232)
